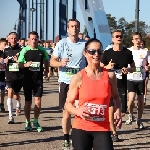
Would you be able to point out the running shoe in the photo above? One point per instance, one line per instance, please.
(130, 119)
(2, 107)
(115, 138)
(145, 101)
(66, 145)
(28, 126)
(37, 126)
(140, 124)
(11, 120)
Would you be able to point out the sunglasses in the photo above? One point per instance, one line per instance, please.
(117, 36)
(93, 51)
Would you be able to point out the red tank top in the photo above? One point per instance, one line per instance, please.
(95, 94)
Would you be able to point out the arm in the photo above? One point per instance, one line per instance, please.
(115, 94)
(54, 61)
(132, 64)
(132, 68)
(21, 59)
(46, 62)
(73, 93)
(46, 65)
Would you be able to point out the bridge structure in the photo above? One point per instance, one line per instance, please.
(50, 17)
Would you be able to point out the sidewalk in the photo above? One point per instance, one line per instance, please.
(14, 137)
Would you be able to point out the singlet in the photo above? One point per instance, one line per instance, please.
(95, 94)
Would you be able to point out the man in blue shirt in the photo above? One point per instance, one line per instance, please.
(68, 56)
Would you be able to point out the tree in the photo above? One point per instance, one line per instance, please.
(128, 28)
(85, 32)
(112, 22)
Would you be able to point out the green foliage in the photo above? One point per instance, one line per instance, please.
(85, 32)
(128, 28)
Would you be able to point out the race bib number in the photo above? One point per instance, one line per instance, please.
(35, 66)
(2, 67)
(118, 73)
(136, 76)
(13, 67)
(70, 71)
(97, 112)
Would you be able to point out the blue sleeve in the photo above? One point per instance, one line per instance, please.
(56, 51)
(83, 63)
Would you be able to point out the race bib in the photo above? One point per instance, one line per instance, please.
(70, 71)
(136, 76)
(35, 66)
(13, 67)
(118, 73)
(97, 112)
(2, 67)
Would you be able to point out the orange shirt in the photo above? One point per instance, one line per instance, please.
(95, 94)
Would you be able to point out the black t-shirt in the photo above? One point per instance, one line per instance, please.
(34, 56)
(9, 52)
(2, 73)
(121, 59)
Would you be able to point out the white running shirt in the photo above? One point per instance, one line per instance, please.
(140, 57)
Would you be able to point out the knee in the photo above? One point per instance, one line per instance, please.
(38, 101)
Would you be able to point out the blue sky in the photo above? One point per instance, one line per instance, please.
(118, 8)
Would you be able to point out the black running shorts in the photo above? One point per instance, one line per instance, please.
(33, 88)
(16, 85)
(63, 90)
(137, 87)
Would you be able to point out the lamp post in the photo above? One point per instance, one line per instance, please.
(137, 16)
(41, 18)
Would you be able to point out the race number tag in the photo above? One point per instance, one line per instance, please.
(136, 76)
(118, 73)
(2, 67)
(97, 112)
(35, 66)
(70, 71)
(13, 67)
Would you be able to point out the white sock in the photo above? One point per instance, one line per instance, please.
(18, 105)
(144, 96)
(10, 106)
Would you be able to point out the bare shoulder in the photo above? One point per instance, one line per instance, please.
(77, 79)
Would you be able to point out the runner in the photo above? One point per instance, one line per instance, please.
(119, 57)
(147, 72)
(93, 86)
(50, 52)
(31, 60)
(3, 43)
(136, 80)
(13, 75)
(68, 56)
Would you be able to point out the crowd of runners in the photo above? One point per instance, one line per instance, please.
(93, 83)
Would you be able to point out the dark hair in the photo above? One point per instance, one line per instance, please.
(73, 20)
(33, 33)
(137, 33)
(23, 39)
(47, 41)
(91, 41)
(144, 43)
(87, 36)
(3, 40)
(117, 30)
